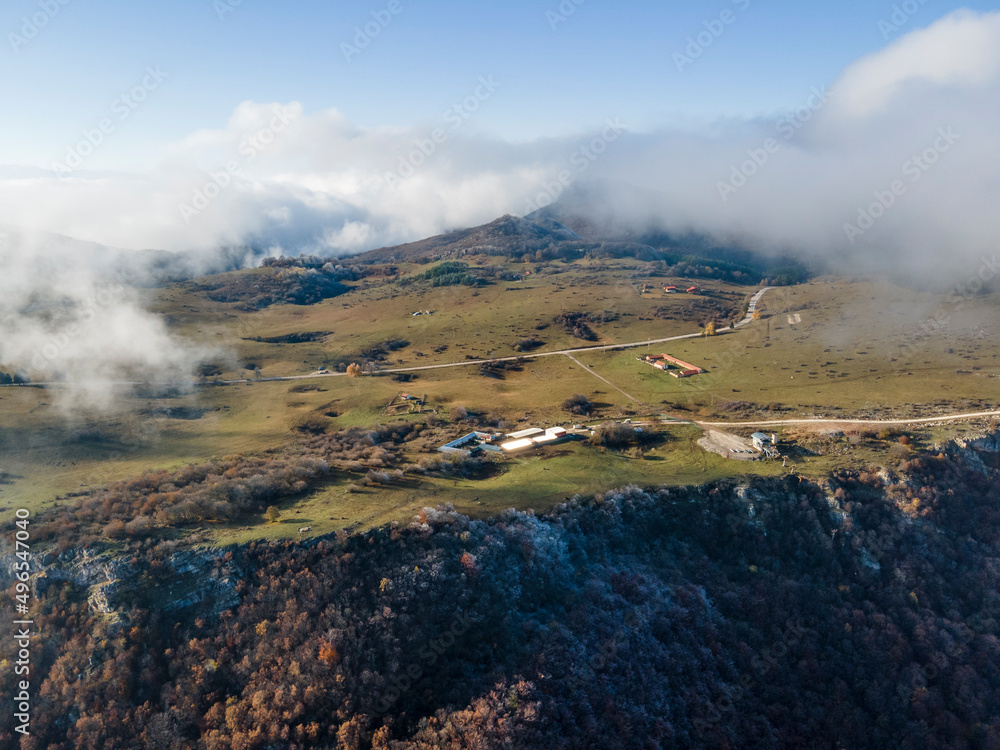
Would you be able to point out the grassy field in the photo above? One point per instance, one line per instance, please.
(538, 480)
(828, 347)
(475, 322)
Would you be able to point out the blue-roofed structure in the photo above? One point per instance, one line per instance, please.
(471, 443)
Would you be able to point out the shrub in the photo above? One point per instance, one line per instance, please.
(304, 388)
(497, 369)
(139, 526)
(575, 323)
(614, 435)
(578, 404)
(528, 344)
(209, 369)
(378, 477)
(115, 529)
(311, 424)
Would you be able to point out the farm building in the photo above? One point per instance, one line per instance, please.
(533, 438)
(765, 443)
(551, 435)
(471, 443)
(529, 433)
(693, 289)
(670, 289)
(517, 445)
(664, 362)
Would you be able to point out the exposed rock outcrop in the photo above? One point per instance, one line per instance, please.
(195, 577)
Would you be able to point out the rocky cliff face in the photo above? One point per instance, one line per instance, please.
(987, 441)
(190, 578)
(981, 450)
(207, 578)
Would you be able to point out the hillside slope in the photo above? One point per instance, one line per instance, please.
(507, 233)
(777, 614)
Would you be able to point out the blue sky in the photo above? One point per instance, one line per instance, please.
(605, 59)
(694, 93)
(263, 134)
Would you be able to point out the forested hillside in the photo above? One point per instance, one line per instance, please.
(777, 614)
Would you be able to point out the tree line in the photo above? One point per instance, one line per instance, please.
(774, 613)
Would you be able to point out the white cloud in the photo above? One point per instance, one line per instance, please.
(959, 50)
(315, 182)
(66, 314)
(881, 125)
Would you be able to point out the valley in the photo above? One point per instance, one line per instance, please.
(487, 350)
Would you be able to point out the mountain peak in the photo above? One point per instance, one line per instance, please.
(500, 234)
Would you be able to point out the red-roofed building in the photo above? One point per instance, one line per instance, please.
(684, 369)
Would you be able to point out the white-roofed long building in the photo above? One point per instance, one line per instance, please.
(534, 437)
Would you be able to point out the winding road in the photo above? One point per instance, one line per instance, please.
(751, 309)
(836, 421)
